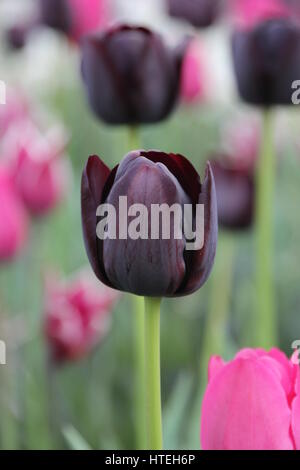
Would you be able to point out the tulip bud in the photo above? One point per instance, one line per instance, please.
(77, 316)
(13, 219)
(200, 13)
(248, 13)
(234, 175)
(252, 403)
(131, 77)
(40, 173)
(155, 262)
(267, 61)
(193, 76)
(235, 194)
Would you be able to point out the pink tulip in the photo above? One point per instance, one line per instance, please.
(248, 13)
(252, 403)
(193, 75)
(87, 16)
(77, 316)
(40, 171)
(241, 143)
(13, 219)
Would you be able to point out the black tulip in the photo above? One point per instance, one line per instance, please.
(149, 267)
(200, 13)
(267, 61)
(235, 195)
(56, 14)
(130, 75)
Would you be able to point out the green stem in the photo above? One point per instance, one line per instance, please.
(152, 374)
(266, 322)
(139, 353)
(139, 346)
(219, 305)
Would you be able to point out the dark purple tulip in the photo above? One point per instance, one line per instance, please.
(200, 13)
(149, 267)
(130, 75)
(235, 194)
(267, 61)
(16, 37)
(56, 14)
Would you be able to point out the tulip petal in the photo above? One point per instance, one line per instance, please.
(181, 168)
(199, 263)
(215, 365)
(245, 408)
(93, 181)
(152, 267)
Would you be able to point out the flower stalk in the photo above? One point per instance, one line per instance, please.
(152, 374)
(265, 321)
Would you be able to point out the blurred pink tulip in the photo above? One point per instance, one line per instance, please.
(87, 16)
(77, 316)
(241, 143)
(252, 403)
(193, 75)
(13, 219)
(39, 169)
(248, 13)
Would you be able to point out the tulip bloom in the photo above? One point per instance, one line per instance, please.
(193, 75)
(74, 17)
(200, 13)
(252, 403)
(130, 75)
(77, 316)
(266, 59)
(235, 194)
(234, 173)
(13, 219)
(146, 266)
(40, 171)
(248, 13)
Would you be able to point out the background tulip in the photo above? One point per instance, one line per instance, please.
(193, 75)
(235, 194)
(234, 173)
(77, 316)
(247, 13)
(74, 17)
(260, 55)
(252, 403)
(37, 162)
(13, 219)
(200, 13)
(149, 267)
(130, 75)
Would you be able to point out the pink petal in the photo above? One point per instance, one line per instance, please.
(245, 408)
(215, 364)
